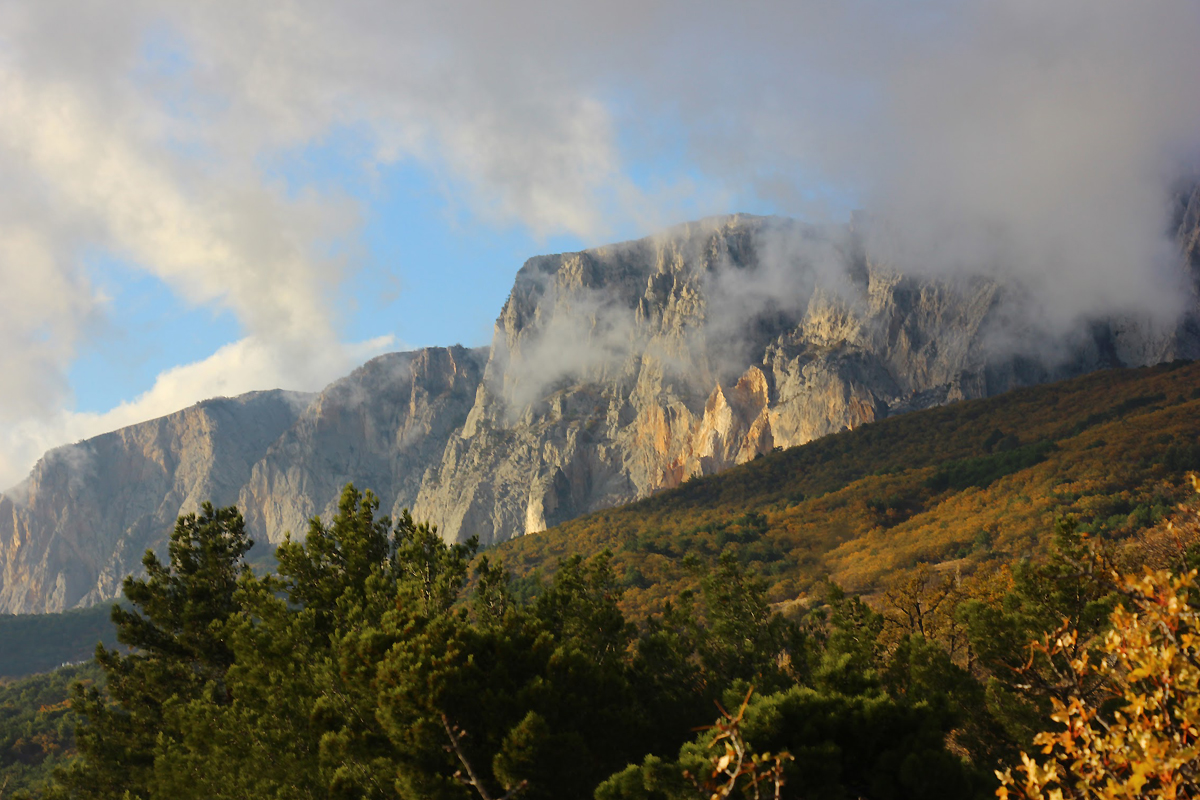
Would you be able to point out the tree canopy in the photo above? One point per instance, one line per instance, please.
(380, 661)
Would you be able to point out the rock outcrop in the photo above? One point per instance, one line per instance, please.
(613, 373)
(380, 428)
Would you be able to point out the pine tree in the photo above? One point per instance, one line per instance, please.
(178, 651)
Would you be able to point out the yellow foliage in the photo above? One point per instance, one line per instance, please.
(1140, 736)
(862, 506)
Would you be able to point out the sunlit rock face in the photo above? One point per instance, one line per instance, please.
(624, 370)
(82, 521)
(612, 374)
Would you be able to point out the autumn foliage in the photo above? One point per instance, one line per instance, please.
(1132, 728)
(975, 484)
(878, 589)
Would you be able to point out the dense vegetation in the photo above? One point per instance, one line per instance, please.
(367, 667)
(1126, 694)
(967, 485)
(370, 666)
(37, 726)
(1128, 728)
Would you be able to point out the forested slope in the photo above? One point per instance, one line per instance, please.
(959, 485)
(32, 643)
(379, 660)
(37, 728)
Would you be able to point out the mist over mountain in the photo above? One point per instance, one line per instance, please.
(613, 373)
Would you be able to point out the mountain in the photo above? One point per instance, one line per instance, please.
(71, 532)
(382, 427)
(624, 370)
(613, 374)
(958, 487)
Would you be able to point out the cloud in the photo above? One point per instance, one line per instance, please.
(1043, 142)
(579, 333)
(46, 310)
(700, 311)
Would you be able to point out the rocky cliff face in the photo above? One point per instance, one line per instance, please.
(612, 374)
(624, 370)
(1187, 223)
(82, 521)
(380, 428)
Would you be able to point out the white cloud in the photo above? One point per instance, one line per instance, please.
(46, 310)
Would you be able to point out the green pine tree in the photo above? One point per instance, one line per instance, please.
(178, 651)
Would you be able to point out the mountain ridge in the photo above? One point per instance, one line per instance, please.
(613, 373)
(143, 475)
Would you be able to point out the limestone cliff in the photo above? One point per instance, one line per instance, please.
(620, 371)
(623, 370)
(612, 374)
(380, 428)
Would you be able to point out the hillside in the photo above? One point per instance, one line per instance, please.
(958, 486)
(37, 727)
(42, 642)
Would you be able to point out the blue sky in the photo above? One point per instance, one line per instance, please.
(421, 272)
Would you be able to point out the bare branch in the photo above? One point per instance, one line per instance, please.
(471, 778)
(737, 761)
